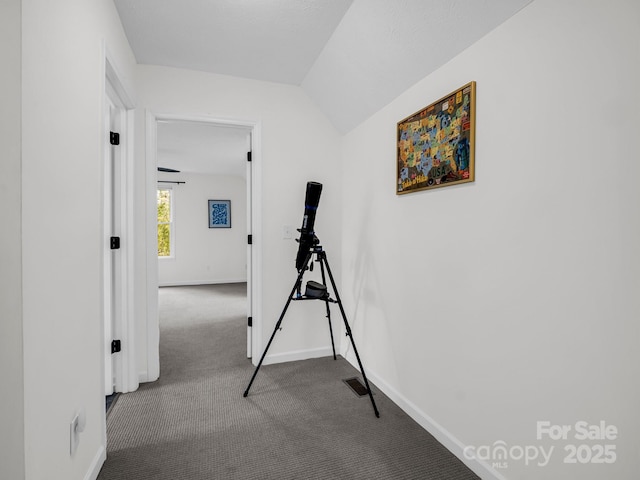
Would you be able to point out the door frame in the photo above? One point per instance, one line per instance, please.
(124, 363)
(254, 222)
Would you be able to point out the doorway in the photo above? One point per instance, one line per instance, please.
(156, 127)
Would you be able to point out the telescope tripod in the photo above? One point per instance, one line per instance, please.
(295, 295)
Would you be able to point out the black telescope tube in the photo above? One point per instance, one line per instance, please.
(311, 201)
(307, 235)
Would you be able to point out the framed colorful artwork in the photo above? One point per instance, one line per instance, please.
(219, 213)
(436, 145)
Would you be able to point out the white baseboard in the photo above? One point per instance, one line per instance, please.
(451, 443)
(96, 464)
(199, 282)
(298, 355)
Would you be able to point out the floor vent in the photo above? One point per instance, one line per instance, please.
(358, 388)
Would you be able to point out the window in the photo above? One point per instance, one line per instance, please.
(165, 222)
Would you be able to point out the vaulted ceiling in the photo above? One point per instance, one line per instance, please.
(352, 57)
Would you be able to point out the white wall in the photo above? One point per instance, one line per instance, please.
(62, 173)
(206, 255)
(486, 307)
(298, 144)
(11, 384)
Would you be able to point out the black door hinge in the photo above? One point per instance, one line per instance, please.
(116, 346)
(250, 239)
(248, 156)
(115, 243)
(114, 138)
(250, 321)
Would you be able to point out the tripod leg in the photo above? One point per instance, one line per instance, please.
(326, 303)
(295, 288)
(350, 335)
(264, 354)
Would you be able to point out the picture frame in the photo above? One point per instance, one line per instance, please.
(436, 145)
(219, 213)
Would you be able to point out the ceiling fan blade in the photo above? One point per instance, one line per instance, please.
(168, 170)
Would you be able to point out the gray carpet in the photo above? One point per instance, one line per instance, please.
(300, 421)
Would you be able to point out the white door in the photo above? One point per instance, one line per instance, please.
(112, 261)
(108, 260)
(249, 251)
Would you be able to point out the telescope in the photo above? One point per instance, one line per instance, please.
(308, 237)
(309, 245)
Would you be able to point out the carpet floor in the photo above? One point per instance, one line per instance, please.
(300, 420)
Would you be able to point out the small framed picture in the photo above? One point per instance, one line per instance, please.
(219, 213)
